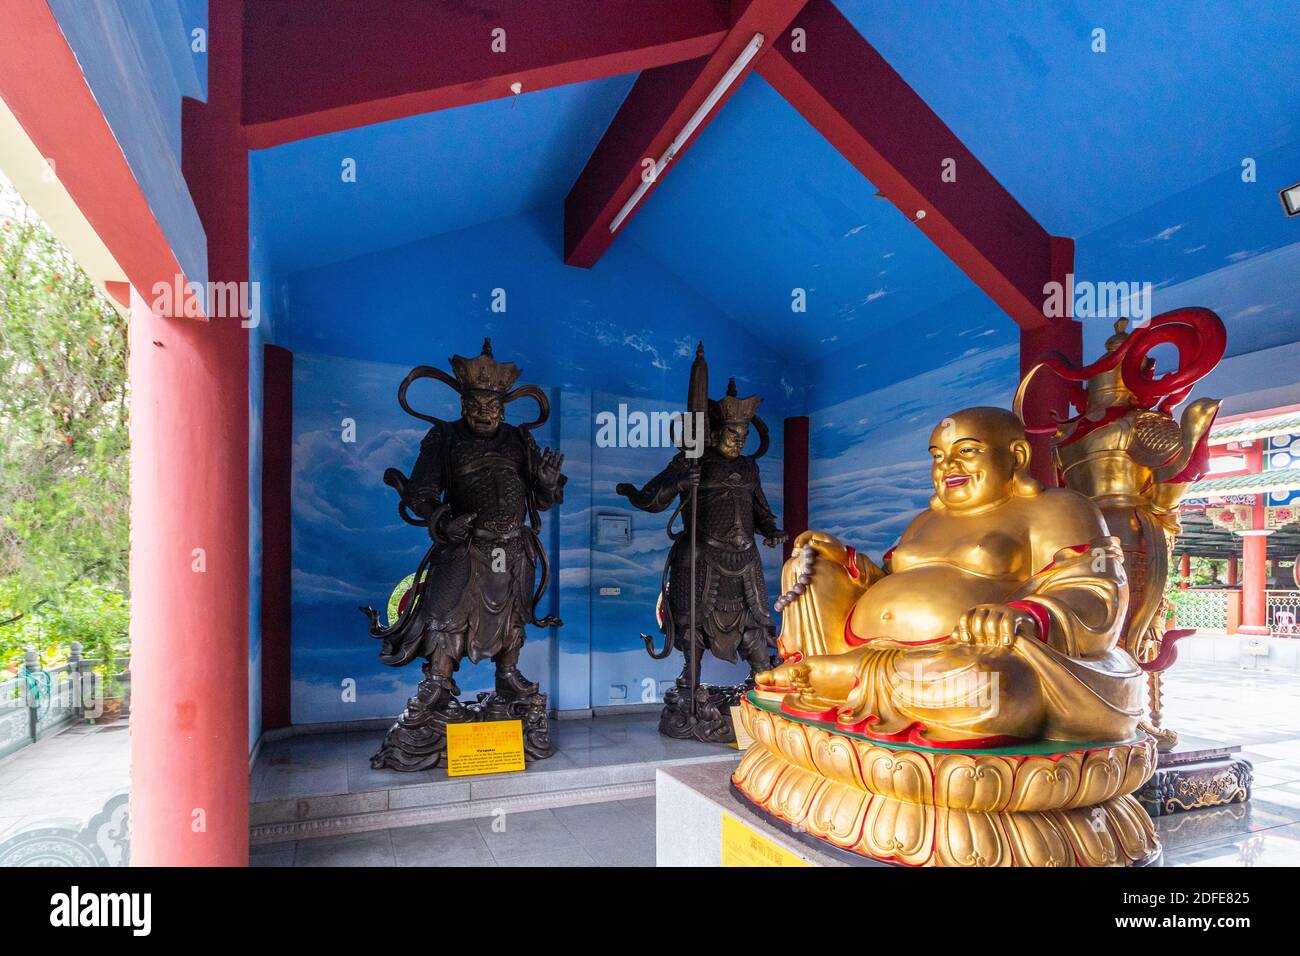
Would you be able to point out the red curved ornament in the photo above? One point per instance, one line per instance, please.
(1168, 651)
(1200, 338)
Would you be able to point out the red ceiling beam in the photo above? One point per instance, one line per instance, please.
(845, 89)
(43, 86)
(656, 109)
(330, 65)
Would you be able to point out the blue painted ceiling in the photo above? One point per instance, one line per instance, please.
(429, 174)
(1136, 152)
(762, 206)
(1181, 94)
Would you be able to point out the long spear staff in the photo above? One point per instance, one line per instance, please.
(697, 407)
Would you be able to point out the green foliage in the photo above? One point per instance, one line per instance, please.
(1209, 571)
(63, 464)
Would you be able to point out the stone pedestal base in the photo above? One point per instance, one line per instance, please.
(1049, 804)
(1191, 777)
(418, 741)
(711, 722)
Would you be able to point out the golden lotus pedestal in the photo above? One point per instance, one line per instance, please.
(1052, 803)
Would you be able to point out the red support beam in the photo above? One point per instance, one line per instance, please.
(845, 89)
(43, 86)
(657, 108)
(329, 65)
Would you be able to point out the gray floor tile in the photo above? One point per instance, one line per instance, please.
(642, 809)
(272, 854)
(1279, 846)
(565, 856)
(593, 823)
(636, 848)
(454, 843)
(353, 849)
(531, 832)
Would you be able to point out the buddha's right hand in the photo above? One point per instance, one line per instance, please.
(793, 674)
(828, 546)
(824, 677)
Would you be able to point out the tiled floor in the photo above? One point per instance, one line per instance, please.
(324, 764)
(73, 774)
(618, 833)
(68, 777)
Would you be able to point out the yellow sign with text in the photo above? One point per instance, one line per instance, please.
(490, 746)
(742, 846)
(743, 740)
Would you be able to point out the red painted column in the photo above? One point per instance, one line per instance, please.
(189, 519)
(1254, 600)
(277, 533)
(1185, 571)
(1254, 548)
(1232, 571)
(794, 492)
(189, 592)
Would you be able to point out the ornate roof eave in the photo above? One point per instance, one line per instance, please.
(1250, 430)
(1263, 482)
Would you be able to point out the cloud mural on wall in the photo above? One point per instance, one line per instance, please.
(869, 472)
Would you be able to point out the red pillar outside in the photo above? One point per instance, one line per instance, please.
(1232, 571)
(189, 510)
(1254, 599)
(1184, 571)
(1254, 552)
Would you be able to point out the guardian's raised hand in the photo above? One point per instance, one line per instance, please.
(548, 471)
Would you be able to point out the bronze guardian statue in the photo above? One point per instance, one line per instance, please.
(713, 596)
(478, 487)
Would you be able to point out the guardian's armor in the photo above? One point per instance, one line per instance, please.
(730, 592)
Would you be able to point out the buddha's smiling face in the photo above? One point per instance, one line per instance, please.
(975, 455)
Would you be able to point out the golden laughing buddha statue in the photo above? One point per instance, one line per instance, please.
(969, 704)
(997, 623)
(977, 699)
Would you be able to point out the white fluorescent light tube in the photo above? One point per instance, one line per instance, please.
(687, 131)
(1291, 200)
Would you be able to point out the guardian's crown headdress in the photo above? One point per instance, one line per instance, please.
(737, 411)
(483, 373)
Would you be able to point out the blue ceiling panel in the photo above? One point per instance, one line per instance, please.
(1183, 92)
(762, 205)
(428, 174)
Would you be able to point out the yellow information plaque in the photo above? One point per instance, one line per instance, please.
(491, 746)
(742, 846)
(743, 739)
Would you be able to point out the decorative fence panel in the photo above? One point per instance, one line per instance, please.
(40, 701)
(1202, 608)
(1284, 613)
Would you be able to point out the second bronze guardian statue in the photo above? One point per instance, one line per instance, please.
(713, 596)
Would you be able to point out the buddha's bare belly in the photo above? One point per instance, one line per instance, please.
(923, 603)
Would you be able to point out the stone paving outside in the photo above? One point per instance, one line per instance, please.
(71, 776)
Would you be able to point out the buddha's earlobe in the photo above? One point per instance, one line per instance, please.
(1023, 484)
